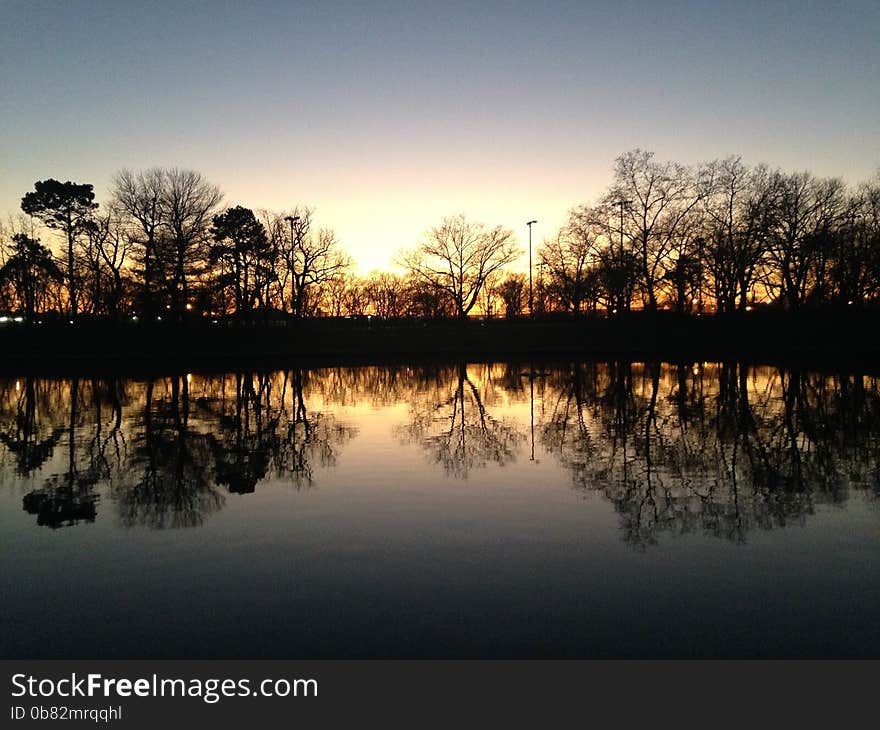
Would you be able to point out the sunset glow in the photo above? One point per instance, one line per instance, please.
(387, 117)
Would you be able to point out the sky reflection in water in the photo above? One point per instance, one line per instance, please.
(597, 509)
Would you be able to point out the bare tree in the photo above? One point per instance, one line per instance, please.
(807, 210)
(137, 198)
(387, 294)
(458, 256)
(188, 203)
(310, 259)
(659, 197)
(740, 208)
(856, 269)
(103, 254)
(571, 257)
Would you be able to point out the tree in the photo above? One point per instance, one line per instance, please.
(310, 258)
(242, 248)
(684, 276)
(188, 202)
(458, 256)
(66, 207)
(28, 271)
(428, 301)
(387, 294)
(740, 208)
(808, 209)
(512, 292)
(137, 198)
(657, 197)
(571, 258)
(107, 252)
(856, 267)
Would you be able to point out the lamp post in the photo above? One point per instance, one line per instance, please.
(621, 204)
(292, 219)
(531, 295)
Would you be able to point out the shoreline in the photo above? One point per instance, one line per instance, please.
(815, 338)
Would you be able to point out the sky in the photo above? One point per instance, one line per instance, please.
(388, 116)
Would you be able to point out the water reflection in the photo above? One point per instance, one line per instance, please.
(723, 449)
(449, 419)
(720, 448)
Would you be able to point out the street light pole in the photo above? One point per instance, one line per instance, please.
(621, 204)
(531, 295)
(292, 219)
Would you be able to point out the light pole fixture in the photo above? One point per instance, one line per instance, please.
(291, 219)
(622, 204)
(531, 294)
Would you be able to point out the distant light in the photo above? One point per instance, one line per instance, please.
(213, 321)
(19, 319)
(749, 308)
(71, 321)
(696, 369)
(134, 318)
(189, 377)
(850, 302)
(158, 318)
(4, 319)
(189, 306)
(39, 321)
(17, 385)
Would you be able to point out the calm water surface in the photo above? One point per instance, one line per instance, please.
(598, 509)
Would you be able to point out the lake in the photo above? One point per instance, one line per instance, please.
(598, 509)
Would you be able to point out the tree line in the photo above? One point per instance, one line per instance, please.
(721, 236)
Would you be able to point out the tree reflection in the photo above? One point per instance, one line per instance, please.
(266, 429)
(25, 432)
(170, 485)
(67, 498)
(722, 449)
(451, 423)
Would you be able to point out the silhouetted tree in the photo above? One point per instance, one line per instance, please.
(659, 197)
(188, 203)
(387, 294)
(242, 249)
(28, 271)
(571, 259)
(801, 243)
(138, 198)
(458, 256)
(310, 259)
(512, 292)
(740, 207)
(66, 207)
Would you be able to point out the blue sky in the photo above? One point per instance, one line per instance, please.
(387, 116)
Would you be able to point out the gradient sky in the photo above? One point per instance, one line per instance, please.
(387, 116)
